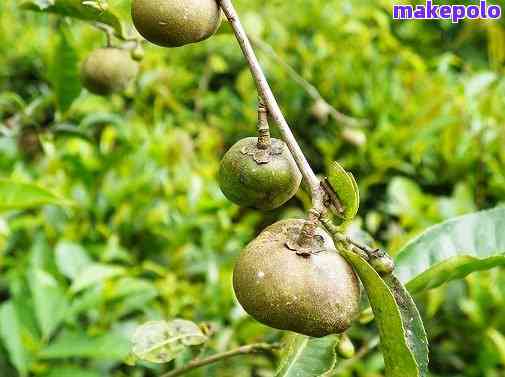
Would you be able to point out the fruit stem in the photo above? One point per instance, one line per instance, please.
(309, 228)
(264, 141)
(243, 350)
(274, 110)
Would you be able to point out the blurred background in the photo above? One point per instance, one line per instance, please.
(425, 140)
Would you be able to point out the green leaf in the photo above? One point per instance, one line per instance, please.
(64, 71)
(18, 195)
(71, 259)
(453, 249)
(304, 356)
(72, 371)
(498, 340)
(161, 341)
(95, 273)
(111, 346)
(76, 9)
(399, 359)
(11, 334)
(412, 323)
(346, 188)
(49, 300)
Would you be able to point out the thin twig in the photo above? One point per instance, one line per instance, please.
(311, 90)
(265, 91)
(244, 350)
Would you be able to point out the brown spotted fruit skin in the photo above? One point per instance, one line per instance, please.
(264, 186)
(173, 23)
(108, 70)
(315, 296)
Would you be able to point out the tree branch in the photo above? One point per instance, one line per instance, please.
(311, 90)
(265, 92)
(244, 350)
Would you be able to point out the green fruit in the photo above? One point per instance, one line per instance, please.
(137, 53)
(266, 184)
(108, 70)
(345, 348)
(315, 295)
(173, 23)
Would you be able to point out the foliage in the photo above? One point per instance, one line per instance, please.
(150, 237)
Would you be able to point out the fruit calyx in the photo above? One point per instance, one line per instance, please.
(306, 242)
(263, 155)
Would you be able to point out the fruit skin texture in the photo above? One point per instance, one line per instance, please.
(108, 70)
(264, 186)
(316, 296)
(173, 23)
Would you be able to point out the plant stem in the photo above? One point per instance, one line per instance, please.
(244, 350)
(311, 90)
(264, 141)
(265, 92)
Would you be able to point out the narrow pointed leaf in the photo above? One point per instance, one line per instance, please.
(11, 335)
(18, 195)
(452, 250)
(49, 300)
(64, 71)
(346, 188)
(304, 356)
(412, 323)
(399, 359)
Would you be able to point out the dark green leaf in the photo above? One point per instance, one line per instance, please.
(453, 249)
(111, 346)
(72, 371)
(304, 356)
(412, 323)
(398, 358)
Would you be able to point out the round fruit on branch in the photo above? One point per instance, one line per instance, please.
(252, 176)
(173, 23)
(108, 70)
(315, 294)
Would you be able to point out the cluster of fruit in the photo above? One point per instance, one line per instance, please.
(290, 277)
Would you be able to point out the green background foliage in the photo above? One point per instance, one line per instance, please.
(144, 232)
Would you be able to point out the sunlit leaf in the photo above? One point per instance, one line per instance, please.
(453, 249)
(71, 259)
(304, 356)
(18, 195)
(49, 300)
(11, 335)
(346, 188)
(161, 341)
(76, 9)
(95, 273)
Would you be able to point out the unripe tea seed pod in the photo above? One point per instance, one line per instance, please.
(260, 178)
(108, 70)
(173, 23)
(315, 295)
